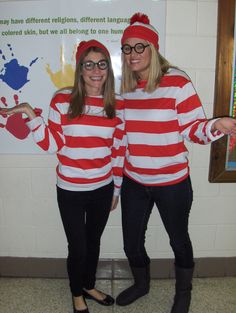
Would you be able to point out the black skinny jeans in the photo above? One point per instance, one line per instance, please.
(84, 216)
(174, 204)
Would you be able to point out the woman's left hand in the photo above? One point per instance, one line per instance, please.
(226, 125)
(114, 203)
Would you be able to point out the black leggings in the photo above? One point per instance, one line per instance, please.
(84, 215)
(174, 204)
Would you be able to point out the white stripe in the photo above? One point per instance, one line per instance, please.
(151, 115)
(185, 118)
(82, 187)
(62, 107)
(73, 172)
(177, 72)
(159, 93)
(85, 153)
(186, 92)
(157, 179)
(154, 139)
(88, 131)
(157, 162)
(54, 116)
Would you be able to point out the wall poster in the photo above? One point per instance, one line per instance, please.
(38, 40)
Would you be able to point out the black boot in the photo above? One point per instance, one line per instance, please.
(183, 287)
(138, 289)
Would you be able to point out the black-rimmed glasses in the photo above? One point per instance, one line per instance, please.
(90, 65)
(138, 48)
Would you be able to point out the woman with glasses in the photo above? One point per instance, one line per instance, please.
(85, 128)
(162, 110)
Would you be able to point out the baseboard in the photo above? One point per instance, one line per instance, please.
(112, 268)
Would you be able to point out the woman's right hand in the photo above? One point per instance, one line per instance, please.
(20, 108)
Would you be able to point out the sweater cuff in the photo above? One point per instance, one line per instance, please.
(213, 136)
(34, 123)
(116, 191)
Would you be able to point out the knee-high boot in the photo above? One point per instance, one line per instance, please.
(183, 287)
(138, 289)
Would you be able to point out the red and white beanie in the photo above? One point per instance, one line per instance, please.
(84, 45)
(140, 27)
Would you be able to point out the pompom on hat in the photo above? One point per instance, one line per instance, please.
(140, 27)
(84, 45)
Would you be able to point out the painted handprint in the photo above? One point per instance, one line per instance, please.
(12, 73)
(15, 124)
(65, 76)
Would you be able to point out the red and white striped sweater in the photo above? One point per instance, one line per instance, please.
(89, 148)
(157, 124)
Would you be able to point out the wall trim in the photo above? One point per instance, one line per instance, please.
(112, 268)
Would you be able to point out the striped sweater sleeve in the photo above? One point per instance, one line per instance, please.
(48, 137)
(118, 149)
(193, 123)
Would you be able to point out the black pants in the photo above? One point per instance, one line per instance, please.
(174, 204)
(84, 215)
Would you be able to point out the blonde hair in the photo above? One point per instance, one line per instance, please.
(158, 67)
(78, 94)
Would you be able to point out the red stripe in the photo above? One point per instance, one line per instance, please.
(87, 142)
(157, 151)
(119, 104)
(84, 164)
(35, 129)
(118, 152)
(119, 133)
(61, 98)
(90, 120)
(189, 104)
(204, 129)
(173, 182)
(152, 127)
(173, 81)
(98, 102)
(185, 126)
(55, 126)
(77, 180)
(117, 171)
(192, 135)
(172, 169)
(158, 104)
(44, 144)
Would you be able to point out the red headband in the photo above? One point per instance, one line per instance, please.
(140, 28)
(84, 45)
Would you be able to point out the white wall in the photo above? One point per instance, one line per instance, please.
(30, 224)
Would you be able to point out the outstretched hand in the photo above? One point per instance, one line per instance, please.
(114, 203)
(226, 125)
(20, 108)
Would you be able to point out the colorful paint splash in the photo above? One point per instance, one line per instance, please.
(15, 124)
(64, 77)
(12, 73)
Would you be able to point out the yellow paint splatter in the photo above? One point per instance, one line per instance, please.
(64, 77)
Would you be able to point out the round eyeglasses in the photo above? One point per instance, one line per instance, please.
(90, 65)
(138, 48)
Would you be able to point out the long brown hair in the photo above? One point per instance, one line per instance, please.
(78, 94)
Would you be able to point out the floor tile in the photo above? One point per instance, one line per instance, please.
(33, 295)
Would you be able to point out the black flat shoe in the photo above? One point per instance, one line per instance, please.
(108, 300)
(79, 311)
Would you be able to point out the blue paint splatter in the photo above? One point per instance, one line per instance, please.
(14, 74)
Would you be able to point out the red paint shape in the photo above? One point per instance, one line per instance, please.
(16, 98)
(4, 101)
(16, 126)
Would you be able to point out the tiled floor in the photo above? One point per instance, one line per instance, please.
(23, 295)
